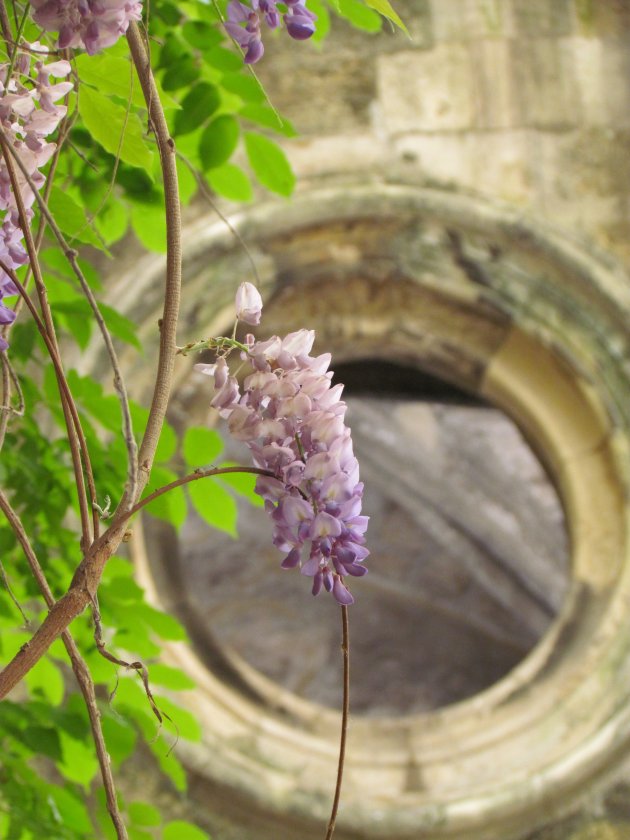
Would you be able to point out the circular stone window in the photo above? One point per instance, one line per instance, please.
(468, 562)
(515, 317)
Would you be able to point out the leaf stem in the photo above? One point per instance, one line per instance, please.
(195, 476)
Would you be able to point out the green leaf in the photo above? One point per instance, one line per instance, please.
(384, 8)
(245, 86)
(79, 764)
(120, 326)
(74, 814)
(231, 182)
(171, 678)
(43, 740)
(182, 721)
(198, 105)
(218, 141)
(45, 679)
(242, 483)
(323, 20)
(270, 164)
(214, 504)
(187, 182)
(77, 319)
(167, 444)
(164, 625)
(171, 506)
(169, 764)
(180, 830)
(360, 16)
(71, 218)
(108, 122)
(122, 589)
(142, 813)
(201, 446)
(267, 117)
(201, 34)
(149, 225)
(181, 75)
(110, 75)
(120, 737)
(223, 59)
(112, 220)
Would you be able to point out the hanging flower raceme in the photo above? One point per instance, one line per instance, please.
(244, 21)
(28, 114)
(293, 422)
(92, 25)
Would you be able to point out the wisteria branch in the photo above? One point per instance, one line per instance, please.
(170, 314)
(79, 666)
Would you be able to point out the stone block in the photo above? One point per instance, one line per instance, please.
(495, 97)
(490, 163)
(464, 20)
(543, 17)
(601, 68)
(437, 94)
(543, 81)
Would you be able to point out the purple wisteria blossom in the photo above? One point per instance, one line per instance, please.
(28, 114)
(243, 23)
(89, 24)
(292, 420)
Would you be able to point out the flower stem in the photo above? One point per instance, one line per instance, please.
(345, 649)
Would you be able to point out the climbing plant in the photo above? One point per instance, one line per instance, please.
(113, 116)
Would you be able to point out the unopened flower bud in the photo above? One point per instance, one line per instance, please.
(248, 304)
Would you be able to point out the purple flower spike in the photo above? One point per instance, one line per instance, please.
(292, 420)
(243, 24)
(86, 24)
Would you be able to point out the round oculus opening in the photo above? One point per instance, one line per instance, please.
(468, 566)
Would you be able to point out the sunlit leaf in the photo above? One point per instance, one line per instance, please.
(214, 504)
(270, 164)
(117, 130)
(201, 446)
(218, 141)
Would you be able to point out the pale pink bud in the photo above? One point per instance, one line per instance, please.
(248, 304)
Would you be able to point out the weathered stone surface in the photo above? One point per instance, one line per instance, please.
(438, 94)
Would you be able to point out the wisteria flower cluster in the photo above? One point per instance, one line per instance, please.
(92, 25)
(292, 420)
(28, 114)
(243, 23)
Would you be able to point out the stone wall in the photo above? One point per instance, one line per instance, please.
(526, 101)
